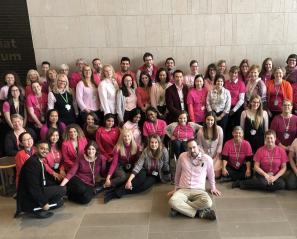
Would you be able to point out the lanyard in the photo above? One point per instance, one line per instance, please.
(92, 169)
(66, 97)
(43, 175)
(277, 90)
(286, 125)
(270, 158)
(237, 153)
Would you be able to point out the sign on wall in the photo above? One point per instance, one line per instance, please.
(16, 47)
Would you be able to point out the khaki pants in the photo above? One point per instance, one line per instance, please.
(187, 201)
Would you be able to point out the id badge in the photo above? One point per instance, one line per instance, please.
(155, 173)
(237, 164)
(276, 103)
(68, 107)
(286, 135)
(56, 165)
(253, 132)
(44, 182)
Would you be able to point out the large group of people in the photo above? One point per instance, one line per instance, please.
(96, 130)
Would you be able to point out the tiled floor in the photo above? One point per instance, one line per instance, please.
(240, 214)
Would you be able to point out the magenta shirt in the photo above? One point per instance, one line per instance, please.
(279, 125)
(183, 132)
(197, 98)
(39, 105)
(83, 170)
(53, 159)
(271, 160)
(235, 89)
(75, 77)
(158, 128)
(294, 87)
(244, 151)
(44, 130)
(276, 95)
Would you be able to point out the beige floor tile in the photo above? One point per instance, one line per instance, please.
(257, 229)
(246, 203)
(251, 215)
(115, 219)
(127, 232)
(185, 235)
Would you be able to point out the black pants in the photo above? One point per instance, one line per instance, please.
(237, 174)
(55, 194)
(260, 183)
(291, 180)
(78, 191)
(233, 120)
(119, 177)
(223, 122)
(140, 183)
(178, 147)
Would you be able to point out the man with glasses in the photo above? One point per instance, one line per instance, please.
(34, 196)
(148, 67)
(291, 69)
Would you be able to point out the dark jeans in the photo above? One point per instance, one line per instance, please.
(119, 177)
(55, 194)
(260, 183)
(178, 147)
(140, 183)
(233, 120)
(78, 191)
(237, 174)
(291, 180)
(223, 122)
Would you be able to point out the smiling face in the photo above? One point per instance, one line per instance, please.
(15, 92)
(73, 134)
(151, 116)
(198, 83)
(193, 149)
(233, 75)
(109, 123)
(278, 74)
(136, 118)
(268, 66)
(219, 83)
(128, 82)
(169, 64)
(209, 121)
(145, 80)
(254, 74)
(53, 117)
(292, 62)
(222, 68)
(162, 76)
(17, 123)
(54, 137)
(255, 104)
(9, 79)
(125, 65)
(127, 138)
(42, 150)
(27, 141)
(154, 144)
(270, 140)
(237, 135)
(62, 82)
(36, 88)
(87, 72)
(182, 119)
(287, 107)
(90, 120)
(91, 151)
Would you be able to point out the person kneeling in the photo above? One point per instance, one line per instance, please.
(81, 178)
(189, 196)
(151, 167)
(34, 196)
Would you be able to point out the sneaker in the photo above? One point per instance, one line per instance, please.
(173, 213)
(207, 213)
(42, 214)
(109, 195)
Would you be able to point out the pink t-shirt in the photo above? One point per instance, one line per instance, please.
(183, 132)
(271, 160)
(276, 98)
(235, 89)
(237, 154)
(158, 128)
(39, 105)
(197, 98)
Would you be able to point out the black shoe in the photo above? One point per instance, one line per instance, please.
(42, 214)
(98, 189)
(173, 213)
(109, 196)
(207, 213)
(236, 184)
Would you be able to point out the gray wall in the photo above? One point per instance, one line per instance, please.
(207, 30)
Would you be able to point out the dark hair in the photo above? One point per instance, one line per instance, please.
(191, 140)
(151, 108)
(147, 54)
(219, 77)
(125, 91)
(59, 124)
(149, 84)
(160, 70)
(42, 142)
(108, 116)
(50, 132)
(214, 127)
(263, 69)
(15, 75)
(198, 76)
(210, 66)
(177, 71)
(125, 58)
(95, 59)
(21, 137)
(244, 61)
(291, 56)
(89, 144)
(133, 113)
(46, 63)
(233, 69)
(10, 98)
(170, 59)
(193, 62)
(270, 132)
(96, 119)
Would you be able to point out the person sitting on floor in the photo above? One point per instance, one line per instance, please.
(34, 196)
(189, 196)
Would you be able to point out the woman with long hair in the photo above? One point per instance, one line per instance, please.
(209, 77)
(72, 146)
(10, 78)
(52, 121)
(210, 137)
(243, 70)
(266, 70)
(254, 122)
(151, 167)
(91, 125)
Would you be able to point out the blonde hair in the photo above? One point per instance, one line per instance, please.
(120, 146)
(55, 89)
(104, 67)
(30, 72)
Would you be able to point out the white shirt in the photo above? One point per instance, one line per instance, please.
(107, 93)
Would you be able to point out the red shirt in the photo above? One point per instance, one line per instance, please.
(197, 98)
(158, 128)
(39, 106)
(235, 89)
